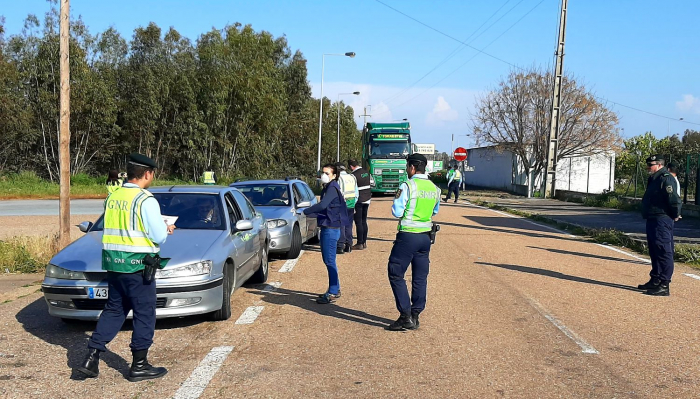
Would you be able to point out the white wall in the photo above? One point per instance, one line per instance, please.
(572, 173)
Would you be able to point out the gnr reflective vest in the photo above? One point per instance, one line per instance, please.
(455, 174)
(423, 195)
(114, 186)
(124, 239)
(347, 186)
(209, 178)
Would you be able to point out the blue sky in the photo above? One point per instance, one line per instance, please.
(639, 53)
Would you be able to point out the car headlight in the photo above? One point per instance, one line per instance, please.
(271, 224)
(193, 269)
(377, 171)
(54, 271)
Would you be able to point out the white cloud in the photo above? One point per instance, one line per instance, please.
(442, 112)
(435, 114)
(689, 103)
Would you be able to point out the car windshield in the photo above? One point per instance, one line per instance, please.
(266, 194)
(389, 149)
(194, 211)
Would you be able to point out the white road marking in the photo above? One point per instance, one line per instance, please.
(626, 253)
(193, 387)
(585, 346)
(691, 275)
(289, 265)
(250, 314)
(271, 287)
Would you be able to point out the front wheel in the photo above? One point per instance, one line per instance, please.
(295, 248)
(229, 285)
(260, 275)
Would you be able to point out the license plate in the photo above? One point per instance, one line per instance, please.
(98, 293)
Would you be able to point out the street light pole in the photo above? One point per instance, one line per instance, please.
(320, 112)
(337, 105)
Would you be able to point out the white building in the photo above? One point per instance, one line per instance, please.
(503, 170)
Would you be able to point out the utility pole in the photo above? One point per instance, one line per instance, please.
(551, 159)
(365, 115)
(64, 134)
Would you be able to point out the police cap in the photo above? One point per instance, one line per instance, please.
(417, 159)
(655, 158)
(142, 160)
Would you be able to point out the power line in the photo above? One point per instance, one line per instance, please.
(480, 51)
(455, 51)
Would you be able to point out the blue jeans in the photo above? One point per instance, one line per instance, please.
(329, 241)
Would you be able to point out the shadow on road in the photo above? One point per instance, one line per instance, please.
(561, 276)
(307, 301)
(73, 335)
(585, 255)
(535, 230)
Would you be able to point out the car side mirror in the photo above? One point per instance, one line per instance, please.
(85, 226)
(304, 204)
(244, 225)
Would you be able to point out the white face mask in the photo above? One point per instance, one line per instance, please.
(325, 179)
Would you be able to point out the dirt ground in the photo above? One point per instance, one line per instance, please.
(514, 310)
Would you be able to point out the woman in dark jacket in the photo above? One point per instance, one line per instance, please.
(328, 214)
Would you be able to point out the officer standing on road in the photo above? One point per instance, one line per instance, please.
(114, 181)
(454, 177)
(348, 186)
(364, 186)
(209, 177)
(133, 229)
(661, 207)
(416, 202)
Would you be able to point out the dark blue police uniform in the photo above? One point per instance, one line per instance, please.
(661, 206)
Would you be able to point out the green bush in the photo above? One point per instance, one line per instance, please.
(438, 177)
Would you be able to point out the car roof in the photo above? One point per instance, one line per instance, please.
(269, 181)
(189, 189)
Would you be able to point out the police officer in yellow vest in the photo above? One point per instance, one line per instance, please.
(114, 181)
(209, 177)
(348, 186)
(454, 178)
(133, 229)
(416, 202)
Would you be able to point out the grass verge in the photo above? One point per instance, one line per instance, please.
(685, 253)
(27, 254)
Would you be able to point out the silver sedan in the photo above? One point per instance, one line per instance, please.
(221, 241)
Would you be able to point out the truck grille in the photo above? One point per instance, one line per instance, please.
(99, 304)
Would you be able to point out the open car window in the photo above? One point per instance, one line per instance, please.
(194, 211)
(266, 194)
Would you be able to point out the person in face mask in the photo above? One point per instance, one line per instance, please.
(328, 213)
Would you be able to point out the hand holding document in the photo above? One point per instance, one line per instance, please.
(169, 220)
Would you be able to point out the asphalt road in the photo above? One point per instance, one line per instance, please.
(49, 207)
(514, 310)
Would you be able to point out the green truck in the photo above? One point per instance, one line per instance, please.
(385, 147)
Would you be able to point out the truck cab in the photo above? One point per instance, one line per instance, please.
(385, 147)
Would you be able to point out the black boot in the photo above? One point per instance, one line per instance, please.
(141, 370)
(414, 316)
(347, 248)
(652, 283)
(660, 290)
(402, 323)
(90, 366)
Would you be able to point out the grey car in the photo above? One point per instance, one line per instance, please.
(221, 241)
(281, 201)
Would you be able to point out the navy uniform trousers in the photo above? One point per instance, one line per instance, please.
(661, 247)
(127, 291)
(410, 249)
(453, 188)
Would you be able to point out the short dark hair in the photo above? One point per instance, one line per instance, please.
(353, 163)
(672, 167)
(334, 168)
(420, 166)
(134, 172)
